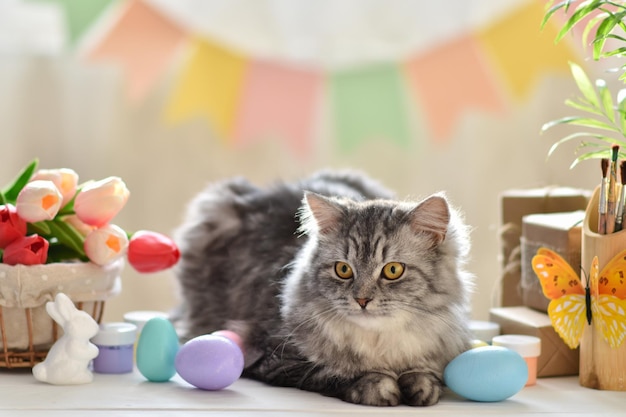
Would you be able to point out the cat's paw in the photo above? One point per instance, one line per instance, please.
(374, 389)
(420, 388)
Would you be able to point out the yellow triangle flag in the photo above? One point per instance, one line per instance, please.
(210, 86)
(522, 51)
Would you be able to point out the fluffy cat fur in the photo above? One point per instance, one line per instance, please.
(247, 265)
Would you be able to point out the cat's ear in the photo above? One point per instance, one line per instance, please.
(431, 216)
(326, 212)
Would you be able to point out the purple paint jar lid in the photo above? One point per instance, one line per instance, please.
(115, 334)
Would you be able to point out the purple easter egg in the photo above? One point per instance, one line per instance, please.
(209, 362)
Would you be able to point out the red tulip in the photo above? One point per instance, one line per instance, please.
(27, 250)
(12, 226)
(152, 252)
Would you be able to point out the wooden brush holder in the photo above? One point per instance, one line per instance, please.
(601, 367)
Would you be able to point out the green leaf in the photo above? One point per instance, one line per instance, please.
(583, 106)
(604, 28)
(11, 191)
(68, 208)
(589, 26)
(584, 84)
(589, 155)
(581, 12)
(615, 52)
(553, 9)
(41, 228)
(3, 200)
(577, 135)
(606, 100)
(67, 235)
(580, 121)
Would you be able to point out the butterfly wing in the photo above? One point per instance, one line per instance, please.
(609, 314)
(561, 284)
(612, 279)
(567, 315)
(608, 310)
(556, 276)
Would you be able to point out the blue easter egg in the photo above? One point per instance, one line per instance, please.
(486, 374)
(156, 350)
(210, 362)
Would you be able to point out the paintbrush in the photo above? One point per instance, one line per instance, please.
(619, 217)
(611, 194)
(604, 164)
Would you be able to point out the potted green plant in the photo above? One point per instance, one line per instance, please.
(602, 113)
(601, 116)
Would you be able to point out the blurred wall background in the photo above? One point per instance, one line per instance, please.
(424, 96)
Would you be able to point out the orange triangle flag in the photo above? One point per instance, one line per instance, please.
(143, 42)
(450, 80)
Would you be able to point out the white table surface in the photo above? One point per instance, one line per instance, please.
(131, 395)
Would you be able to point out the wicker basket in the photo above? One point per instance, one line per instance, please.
(27, 330)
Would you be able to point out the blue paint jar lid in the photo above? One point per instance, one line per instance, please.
(115, 334)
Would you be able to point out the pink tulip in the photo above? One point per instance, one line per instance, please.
(39, 200)
(27, 250)
(98, 202)
(105, 244)
(152, 252)
(65, 179)
(12, 226)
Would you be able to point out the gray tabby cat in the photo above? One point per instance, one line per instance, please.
(366, 299)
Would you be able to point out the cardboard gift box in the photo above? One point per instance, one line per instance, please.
(556, 358)
(515, 204)
(560, 232)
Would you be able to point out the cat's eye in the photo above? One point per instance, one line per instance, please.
(343, 270)
(393, 270)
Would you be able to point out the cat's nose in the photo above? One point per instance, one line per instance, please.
(362, 301)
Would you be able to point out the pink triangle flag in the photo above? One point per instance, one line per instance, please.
(278, 101)
(142, 42)
(449, 81)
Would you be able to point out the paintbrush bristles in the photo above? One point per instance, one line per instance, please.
(619, 218)
(611, 192)
(604, 164)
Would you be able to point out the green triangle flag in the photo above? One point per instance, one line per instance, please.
(369, 103)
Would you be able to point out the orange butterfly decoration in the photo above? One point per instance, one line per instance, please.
(601, 300)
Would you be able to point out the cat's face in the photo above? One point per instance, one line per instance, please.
(375, 261)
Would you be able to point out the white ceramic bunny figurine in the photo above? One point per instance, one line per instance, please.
(68, 360)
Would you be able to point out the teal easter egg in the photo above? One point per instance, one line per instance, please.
(156, 350)
(486, 374)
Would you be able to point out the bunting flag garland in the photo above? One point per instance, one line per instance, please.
(522, 60)
(464, 82)
(247, 98)
(143, 42)
(278, 101)
(369, 103)
(210, 85)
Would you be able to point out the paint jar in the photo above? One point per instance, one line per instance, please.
(115, 342)
(484, 330)
(529, 347)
